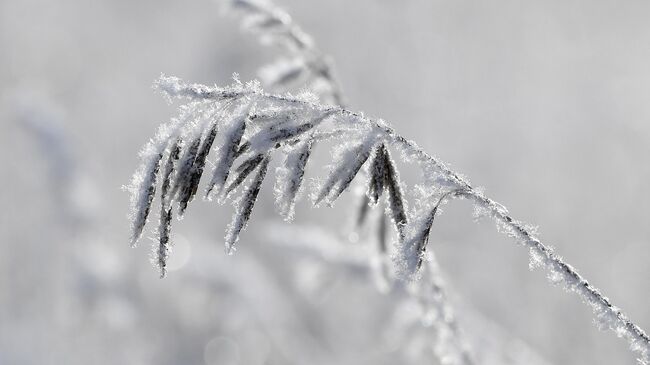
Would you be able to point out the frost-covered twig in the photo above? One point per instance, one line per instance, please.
(303, 61)
(275, 122)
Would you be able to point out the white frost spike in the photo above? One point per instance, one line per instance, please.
(172, 158)
(349, 160)
(233, 134)
(396, 203)
(184, 173)
(164, 247)
(243, 171)
(289, 178)
(191, 185)
(286, 129)
(143, 189)
(164, 226)
(411, 252)
(199, 164)
(245, 207)
(377, 174)
(143, 183)
(274, 116)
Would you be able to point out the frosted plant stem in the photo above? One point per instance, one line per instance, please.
(607, 315)
(273, 25)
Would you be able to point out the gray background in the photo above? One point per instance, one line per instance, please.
(543, 103)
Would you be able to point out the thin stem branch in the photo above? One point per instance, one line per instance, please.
(278, 24)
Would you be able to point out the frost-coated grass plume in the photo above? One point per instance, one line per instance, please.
(237, 130)
(262, 124)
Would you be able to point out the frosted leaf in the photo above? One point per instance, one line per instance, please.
(396, 203)
(243, 170)
(348, 161)
(164, 226)
(143, 189)
(289, 177)
(411, 253)
(284, 129)
(410, 250)
(245, 207)
(284, 134)
(143, 183)
(189, 189)
(184, 173)
(172, 158)
(164, 247)
(273, 116)
(233, 134)
(377, 174)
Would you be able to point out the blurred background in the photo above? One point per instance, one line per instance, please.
(545, 104)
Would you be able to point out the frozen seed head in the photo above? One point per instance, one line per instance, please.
(289, 125)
